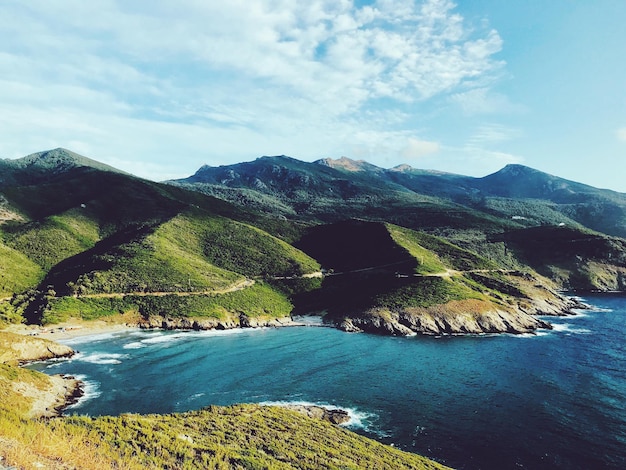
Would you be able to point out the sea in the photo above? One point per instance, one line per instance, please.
(552, 400)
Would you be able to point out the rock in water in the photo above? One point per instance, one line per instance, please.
(334, 415)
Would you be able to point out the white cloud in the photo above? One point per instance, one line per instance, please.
(487, 134)
(219, 80)
(482, 100)
(621, 134)
(416, 148)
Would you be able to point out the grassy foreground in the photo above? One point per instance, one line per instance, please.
(234, 437)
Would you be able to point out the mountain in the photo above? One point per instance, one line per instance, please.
(470, 212)
(92, 241)
(45, 166)
(598, 209)
(518, 194)
(325, 191)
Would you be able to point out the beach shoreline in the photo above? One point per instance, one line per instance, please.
(70, 330)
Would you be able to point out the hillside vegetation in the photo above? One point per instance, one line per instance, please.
(473, 213)
(94, 242)
(393, 280)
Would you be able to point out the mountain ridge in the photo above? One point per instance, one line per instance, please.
(549, 196)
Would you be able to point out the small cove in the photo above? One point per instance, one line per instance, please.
(554, 400)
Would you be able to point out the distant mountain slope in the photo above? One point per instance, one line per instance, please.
(516, 195)
(599, 209)
(576, 259)
(326, 191)
(45, 166)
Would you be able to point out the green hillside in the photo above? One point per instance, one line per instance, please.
(54, 238)
(576, 259)
(17, 271)
(392, 280)
(120, 244)
(236, 437)
(195, 265)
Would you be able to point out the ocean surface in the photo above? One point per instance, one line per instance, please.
(552, 400)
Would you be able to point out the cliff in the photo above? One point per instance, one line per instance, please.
(34, 394)
(469, 316)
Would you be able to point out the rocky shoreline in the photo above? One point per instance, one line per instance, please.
(454, 318)
(461, 317)
(201, 324)
(65, 390)
(49, 398)
(332, 415)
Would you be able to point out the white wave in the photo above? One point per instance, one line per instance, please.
(102, 358)
(358, 419)
(165, 337)
(532, 334)
(525, 335)
(568, 328)
(578, 313)
(135, 345)
(309, 320)
(91, 390)
(89, 338)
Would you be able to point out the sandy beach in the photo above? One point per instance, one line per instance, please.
(73, 328)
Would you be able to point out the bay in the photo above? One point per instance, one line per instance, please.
(552, 400)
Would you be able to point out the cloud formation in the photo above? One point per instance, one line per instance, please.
(621, 134)
(220, 81)
(416, 148)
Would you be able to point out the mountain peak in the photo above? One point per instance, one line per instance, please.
(402, 168)
(515, 169)
(347, 164)
(59, 160)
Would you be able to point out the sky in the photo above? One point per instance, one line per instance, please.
(159, 88)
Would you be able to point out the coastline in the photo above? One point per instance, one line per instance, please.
(69, 330)
(65, 391)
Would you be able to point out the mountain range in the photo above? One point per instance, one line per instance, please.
(516, 193)
(394, 251)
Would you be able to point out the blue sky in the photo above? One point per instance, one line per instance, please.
(159, 88)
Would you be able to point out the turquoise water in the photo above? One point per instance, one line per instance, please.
(555, 400)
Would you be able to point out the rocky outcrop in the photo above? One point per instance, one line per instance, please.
(332, 415)
(20, 348)
(522, 298)
(48, 395)
(50, 400)
(460, 317)
(184, 323)
(438, 322)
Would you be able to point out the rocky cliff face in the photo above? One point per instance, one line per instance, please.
(332, 415)
(243, 321)
(20, 348)
(460, 317)
(45, 396)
